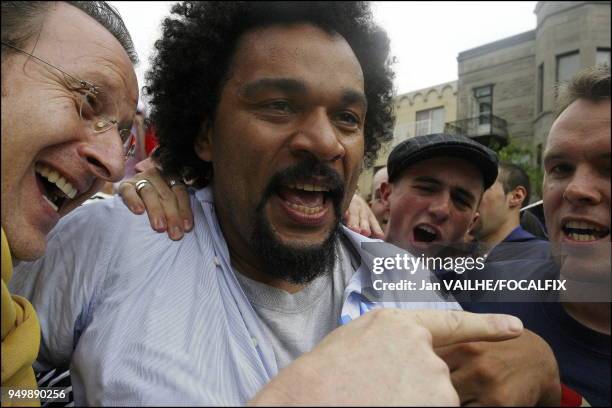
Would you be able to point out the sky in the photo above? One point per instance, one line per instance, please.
(426, 37)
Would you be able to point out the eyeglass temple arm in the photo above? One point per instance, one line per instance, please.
(82, 82)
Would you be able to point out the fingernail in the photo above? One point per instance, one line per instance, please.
(514, 324)
(161, 223)
(175, 232)
(187, 224)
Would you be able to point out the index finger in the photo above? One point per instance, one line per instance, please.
(451, 327)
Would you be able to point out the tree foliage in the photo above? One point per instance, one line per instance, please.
(522, 155)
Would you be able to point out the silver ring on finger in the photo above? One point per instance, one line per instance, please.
(140, 184)
(174, 182)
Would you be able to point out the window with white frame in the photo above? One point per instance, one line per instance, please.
(429, 121)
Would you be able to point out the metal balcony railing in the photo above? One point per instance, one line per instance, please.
(485, 128)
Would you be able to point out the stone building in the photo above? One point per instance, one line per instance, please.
(506, 89)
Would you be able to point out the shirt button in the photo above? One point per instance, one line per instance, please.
(217, 261)
(254, 340)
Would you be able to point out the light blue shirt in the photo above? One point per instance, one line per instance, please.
(143, 320)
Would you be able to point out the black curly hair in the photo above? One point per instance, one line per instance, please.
(192, 59)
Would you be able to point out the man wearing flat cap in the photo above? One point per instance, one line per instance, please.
(435, 185)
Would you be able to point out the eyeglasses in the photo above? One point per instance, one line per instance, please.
(91, 99)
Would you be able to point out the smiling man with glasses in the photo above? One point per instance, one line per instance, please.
(69, 94)
(92, 102)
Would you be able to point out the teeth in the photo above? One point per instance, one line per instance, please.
(61, 183)
(582, 237)
(54, 177)
(428, 229)
(582, 225)
(50, 203)
(306, 210)
(308, 187)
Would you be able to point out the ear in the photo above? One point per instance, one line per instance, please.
(474, 219)
(516, 197)
(385, 192)
(203, 143)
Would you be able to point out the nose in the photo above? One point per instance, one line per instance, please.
(104, 155)
(317, 136)
(583, 187)
(439, 208)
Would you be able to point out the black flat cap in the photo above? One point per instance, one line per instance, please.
(420, 148)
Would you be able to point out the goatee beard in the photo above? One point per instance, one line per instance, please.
(294, 264)
(297, 264)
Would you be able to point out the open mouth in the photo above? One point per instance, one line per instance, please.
(583, 231)
(424, 233)
(309, 199)
(55, 189)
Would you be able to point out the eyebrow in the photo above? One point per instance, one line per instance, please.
(561, 156)
(427, 179)
(294, 86)
(350, 97)
(460, 190)
(465, 193)
(288, 85)
(554, 156)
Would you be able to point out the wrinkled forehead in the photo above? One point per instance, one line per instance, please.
(82, 47)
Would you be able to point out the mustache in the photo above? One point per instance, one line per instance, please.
(305, 170)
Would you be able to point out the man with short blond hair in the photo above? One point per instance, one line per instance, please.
(576, 195)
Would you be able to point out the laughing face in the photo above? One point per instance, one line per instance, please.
(576, 189)
(52, 160)
(286, 147)
(433, 203)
